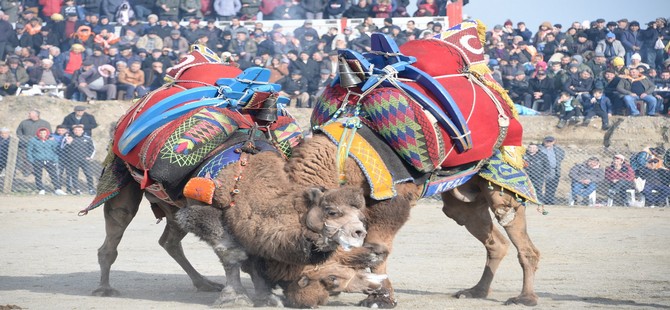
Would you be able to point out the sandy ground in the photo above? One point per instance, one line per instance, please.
(603, 258)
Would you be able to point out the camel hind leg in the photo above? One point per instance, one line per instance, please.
(511, 215)
(170, 240)
(119, 212)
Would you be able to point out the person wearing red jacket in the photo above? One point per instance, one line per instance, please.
(619, 177)
(50, 7)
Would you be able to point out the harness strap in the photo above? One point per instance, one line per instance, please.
(351, 125)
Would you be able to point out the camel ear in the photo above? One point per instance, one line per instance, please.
(313, 195)
(303, 282)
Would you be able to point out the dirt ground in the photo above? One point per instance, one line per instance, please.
(596, 258)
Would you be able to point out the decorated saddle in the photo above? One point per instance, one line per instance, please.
(433, 101)
(172, 131)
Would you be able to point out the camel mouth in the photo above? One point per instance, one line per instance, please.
(348, 243)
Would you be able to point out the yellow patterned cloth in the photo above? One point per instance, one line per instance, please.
(379, 177)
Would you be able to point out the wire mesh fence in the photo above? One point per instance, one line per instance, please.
(562, 175)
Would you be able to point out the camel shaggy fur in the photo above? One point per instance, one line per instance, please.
(290, 223)
(314, 162)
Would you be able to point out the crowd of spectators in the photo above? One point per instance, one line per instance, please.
(591, 68)
(62, 153)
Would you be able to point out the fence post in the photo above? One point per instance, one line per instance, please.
(12, 154)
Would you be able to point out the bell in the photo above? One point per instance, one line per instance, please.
(268, 111)
(347, 77)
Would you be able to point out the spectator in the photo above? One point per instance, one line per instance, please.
(619, 176)
(656, 189)
(632, 40)
(637, 87)
(6, 33)
(7, 80)
(519, 89)
(5, 138)
(150, 41)
(22, 38)
(278, 69)
(79, 149)
(569, 109)
(46, 75)
(585, 178)
(42, 154)
(542, 89)
(242, 46)
(250, 9)
(175, 43)
(59, 136)
(555, 156)
(154, 76)
(636, 62)
(106, 39)
(598, 65)
(610, 47)
(522, 31)
(663, 83)
(313, 9)
(580, 86)
(98, 58)
(537, 166)
(295, 88)
(190, 8)
(143, 8)
(169, 9)
(581, 45)
(361, 10)
(130, 38)
(649, 38)
(126, 54)
(131, 80)
(50, 7)
(163, 28)
(598, 105)
(335, 9)
(156, 55)
(90, 81)
(72, 61)
(80, 117)
(44, 41)
(227, 9)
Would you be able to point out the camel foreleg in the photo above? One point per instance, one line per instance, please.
(119, 212)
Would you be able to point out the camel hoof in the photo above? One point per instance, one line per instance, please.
(208, 286)
(106, 291)
(382, 301)
(526, 300)
(229, 298)
(272, 300)
(471, 293)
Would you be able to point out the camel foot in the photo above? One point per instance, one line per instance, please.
(382, 301)
(206, 285)
(526, 300)
(269, 301)
(472, 293)
(105, 291)
(229, 298)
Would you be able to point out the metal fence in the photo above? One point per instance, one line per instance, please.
(585, 176)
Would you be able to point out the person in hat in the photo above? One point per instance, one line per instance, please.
(325, 80)
(635, 86)
(610, 47)
(585, 178)
(79, 150)
(636, 62)
(619, 176)
(7, 81)
(335, 9)
(176, 43)
(295, 87)
(598, 64)
(631, 39)
(542, 89)
(519, 89)
(243, 46)
(555, 156)
(93, 80)
(536, 166)
(80, 117)
(150, 41)
(656, 176)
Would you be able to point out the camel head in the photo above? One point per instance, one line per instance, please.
(317, 283)
(336, 216)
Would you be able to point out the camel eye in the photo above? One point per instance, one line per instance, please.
(332, 212)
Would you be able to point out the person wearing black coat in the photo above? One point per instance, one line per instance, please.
(536, 165)
(361, 10)
(295, 87)
(79, 151)
(599, 105)
(80, 117)
(542, 88)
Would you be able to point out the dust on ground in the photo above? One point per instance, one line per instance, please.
(596, 258)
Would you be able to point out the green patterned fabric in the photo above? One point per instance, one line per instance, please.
(499, 172)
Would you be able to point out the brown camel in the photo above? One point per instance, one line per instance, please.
(316, 233)
(313, 162)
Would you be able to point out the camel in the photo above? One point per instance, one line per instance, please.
(321, 228)
(313, 162)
